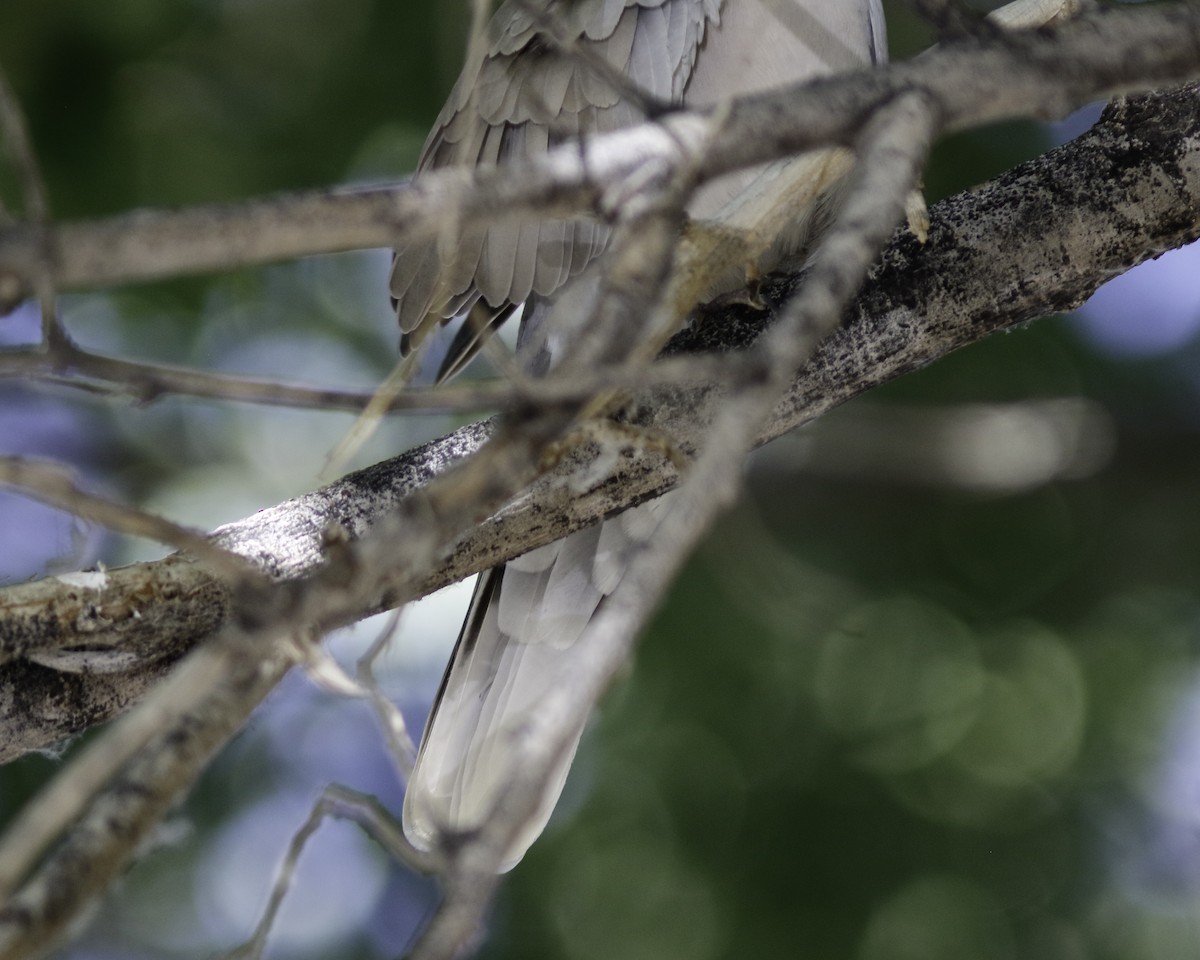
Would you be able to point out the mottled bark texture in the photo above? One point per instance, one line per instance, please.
(1039, 239)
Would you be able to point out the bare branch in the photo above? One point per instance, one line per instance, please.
(52, 484)
(14, 132)
(336, 802)
(334, 552)
(984, 268)
(1044, 73)
(147, 382)
(165, 742)
(265, 626)
(15, 135)
(212, 692)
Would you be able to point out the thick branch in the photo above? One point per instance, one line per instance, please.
(971, 82)
(1037, 240)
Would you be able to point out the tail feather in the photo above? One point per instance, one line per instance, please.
(524, 627)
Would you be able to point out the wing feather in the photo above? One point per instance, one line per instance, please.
(529, 619)
(517, 98)
(525, 622)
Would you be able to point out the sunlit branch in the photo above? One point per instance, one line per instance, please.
(982, 270)
(1041, 73)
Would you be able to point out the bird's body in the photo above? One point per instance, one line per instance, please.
(518, 97)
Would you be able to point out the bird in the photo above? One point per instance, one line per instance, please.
(531, 85)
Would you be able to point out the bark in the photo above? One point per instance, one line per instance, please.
(1038, 240)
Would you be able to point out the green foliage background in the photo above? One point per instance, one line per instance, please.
(876, 719)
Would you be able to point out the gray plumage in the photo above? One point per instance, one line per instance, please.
(518, 98)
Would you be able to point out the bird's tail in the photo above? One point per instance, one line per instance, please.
(526, 621)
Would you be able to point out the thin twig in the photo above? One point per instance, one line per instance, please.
(400, 743)
(354, 573)
(981, 271)
(145, 760)
(1042, 73)
(146, 382)
(15, 133)
(62, 800)
(328, 673)
(53, 484)
(341, 803)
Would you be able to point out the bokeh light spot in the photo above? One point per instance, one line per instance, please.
(938, 918)
(336, 887)
(1033, 711)
(1151, 310)
(635, 899)
(901, 678)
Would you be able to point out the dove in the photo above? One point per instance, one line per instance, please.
(521, 93)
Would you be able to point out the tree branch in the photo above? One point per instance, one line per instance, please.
(1041, 73)
(890, 158)
(1036, 240)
